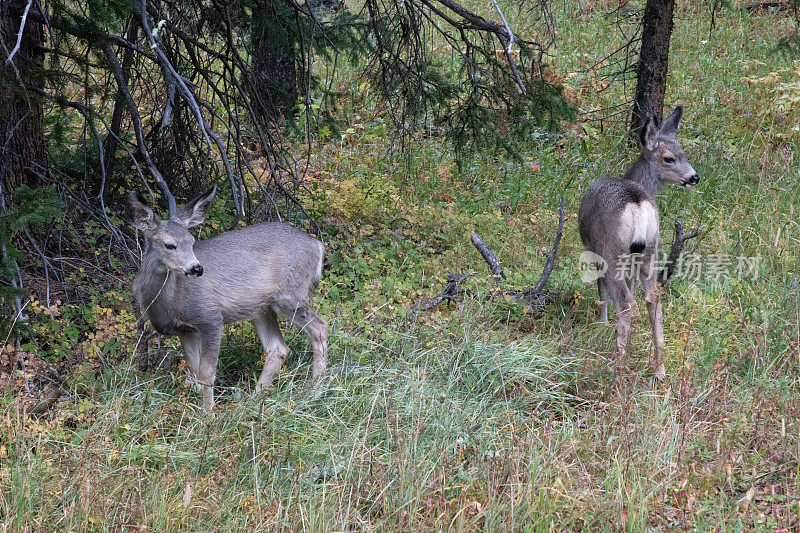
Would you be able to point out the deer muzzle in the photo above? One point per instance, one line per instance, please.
(196, 270)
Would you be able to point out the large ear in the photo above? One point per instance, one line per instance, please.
(670, 127)
(142, 216)
(649, 136)
(195, 212)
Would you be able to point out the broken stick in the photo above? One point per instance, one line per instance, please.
(450, 291)
(676, 250)
(488, 255)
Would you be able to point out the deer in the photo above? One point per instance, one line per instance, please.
(618, 222)
(192, 288)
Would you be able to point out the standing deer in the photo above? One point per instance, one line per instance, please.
(191, 289)
(618, 224)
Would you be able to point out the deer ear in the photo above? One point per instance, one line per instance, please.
(195, 212)
(670, 127)
(649, 136)
(142, 216)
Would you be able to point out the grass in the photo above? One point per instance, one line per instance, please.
(477, 416)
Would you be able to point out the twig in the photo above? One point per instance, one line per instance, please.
(508, 44)
(536, 296)
(675, 251)
(551, 257)
(208, 133)
(451, 289)
(488, 255)
(136, 120)
(45, 262)
(10, 58)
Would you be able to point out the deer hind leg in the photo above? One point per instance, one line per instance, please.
(202, 353)
(652, 295)
(275, 348)
(603, 294)
(626, 314)
(316, 329)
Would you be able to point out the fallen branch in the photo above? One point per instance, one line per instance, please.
(535, 296)
(488, 255)
(676, 250)
(551, 257)
(50, 398)
(450, 291)
(756, 7)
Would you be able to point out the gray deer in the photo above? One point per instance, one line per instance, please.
(618, 223)
(191, 289)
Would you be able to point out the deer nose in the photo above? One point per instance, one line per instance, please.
(196, 270)
(694, 180)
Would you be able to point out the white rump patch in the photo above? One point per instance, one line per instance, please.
(638, 223)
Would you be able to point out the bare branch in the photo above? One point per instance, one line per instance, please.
(450, 291)
(675, 250)
(551, 257)
(136, 119)
(10, 58)
(208, 133)
(488, 256)
(508, 44)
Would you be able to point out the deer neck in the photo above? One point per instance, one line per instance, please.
(156, 288)
(645, 174)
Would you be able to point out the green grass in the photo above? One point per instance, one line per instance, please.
(477, 416)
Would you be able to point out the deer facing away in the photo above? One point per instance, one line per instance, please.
(191, 289)
(618, 223)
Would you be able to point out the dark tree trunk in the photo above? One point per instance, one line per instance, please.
(23, 153)
(651, 83)
(110, 144)
(274, 70)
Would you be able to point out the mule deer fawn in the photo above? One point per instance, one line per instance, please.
(255, 273)
(618, 223)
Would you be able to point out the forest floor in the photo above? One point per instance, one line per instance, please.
(481, 414)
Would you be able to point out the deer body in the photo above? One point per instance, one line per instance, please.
(255, 273)
(618, 221)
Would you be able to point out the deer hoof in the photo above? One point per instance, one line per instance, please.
(660, 373)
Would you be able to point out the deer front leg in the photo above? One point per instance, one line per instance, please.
(202, 352)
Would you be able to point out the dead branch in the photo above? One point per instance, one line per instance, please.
(173, 78)
(136, 120)
(450, 291)
(757, 7)
(551, 257)
(50, 398)
(10, 58)
(535, 296)
(488, 255)
(675, 250)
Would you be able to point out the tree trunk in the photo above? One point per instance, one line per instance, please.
(651, 83)
(110, 143)
(23, 153)
(274, 71)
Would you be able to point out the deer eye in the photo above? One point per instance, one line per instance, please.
(170, 246)
(669, 160)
